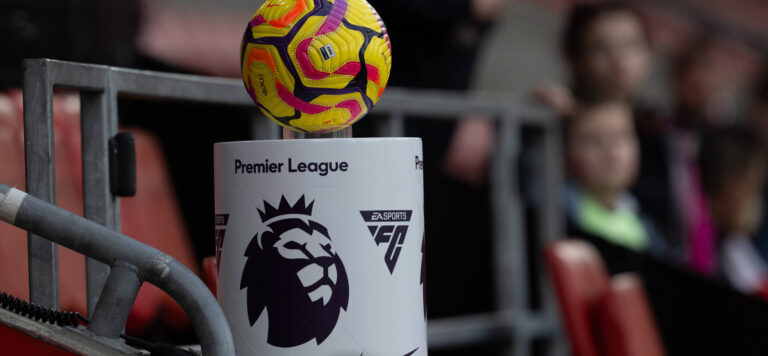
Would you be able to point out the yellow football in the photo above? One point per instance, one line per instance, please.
(316, 65)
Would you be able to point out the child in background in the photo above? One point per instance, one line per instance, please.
(601, 153)
(732, 162)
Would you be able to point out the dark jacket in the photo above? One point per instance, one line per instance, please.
(653, 188)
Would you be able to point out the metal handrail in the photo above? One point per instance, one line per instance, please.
(144, 263)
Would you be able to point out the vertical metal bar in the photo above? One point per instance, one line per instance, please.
(551, 226)
(120, 290)
(98, 125)
(509, 241)
(393, 126)
(263, 128)
(41, 178)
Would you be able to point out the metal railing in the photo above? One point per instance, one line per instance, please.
(132, 263)
(100, 86)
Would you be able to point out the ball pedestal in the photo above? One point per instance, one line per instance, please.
(322, 245)
(289, 134)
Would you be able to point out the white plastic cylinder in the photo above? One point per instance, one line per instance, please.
(321, 246)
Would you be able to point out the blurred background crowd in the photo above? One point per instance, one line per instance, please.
(663, 106)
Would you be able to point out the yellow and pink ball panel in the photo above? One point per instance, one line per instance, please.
(316, 65)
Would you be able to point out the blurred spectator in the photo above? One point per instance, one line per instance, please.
(757, 116)
(698, 90)
(733, 175)
(89, 31)
(757, 121)
(472, 141)
(601, 155)
(203, 40)
(607, 50)
(434, 45)
(701, 86)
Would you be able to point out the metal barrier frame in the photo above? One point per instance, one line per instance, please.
(100, 86)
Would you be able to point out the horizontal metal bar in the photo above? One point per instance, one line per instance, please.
(450, 104)
(146, 84)
(170, 86)
(80, 76)
(436, 104)
(488, 327)
(468, 330)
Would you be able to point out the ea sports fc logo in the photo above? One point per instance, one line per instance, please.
(294, 273)
(388, 227)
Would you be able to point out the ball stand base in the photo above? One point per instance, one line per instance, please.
(289, 134)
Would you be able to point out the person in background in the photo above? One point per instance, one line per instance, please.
(757, 122)
(607, 51)
(733, 176)
(601, 155)
(757, 115)
(702, 89)
(434, 45)
(698, 92)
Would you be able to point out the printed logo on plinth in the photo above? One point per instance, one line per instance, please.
(389, 229)
(220, 231)
(306, 287)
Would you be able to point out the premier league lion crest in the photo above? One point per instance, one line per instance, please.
(294, 273)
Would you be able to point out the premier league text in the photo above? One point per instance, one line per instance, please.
(321, 168)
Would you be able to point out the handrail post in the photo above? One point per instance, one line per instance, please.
(41, 178)
(98, 124)
(508, 239)
(391, 126)
(119, 292)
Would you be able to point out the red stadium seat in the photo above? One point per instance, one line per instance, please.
(580, 282)
(210, 275)
(602, 316)
(628, 328)
(152, 216)
(13, 242)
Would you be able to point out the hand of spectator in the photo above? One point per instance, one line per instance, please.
(488, 10)
(196, 39)
(470, 150)
(556, 97)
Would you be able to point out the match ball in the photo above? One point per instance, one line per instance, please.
(315, 66)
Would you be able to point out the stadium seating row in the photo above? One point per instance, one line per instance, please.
(602, 315)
